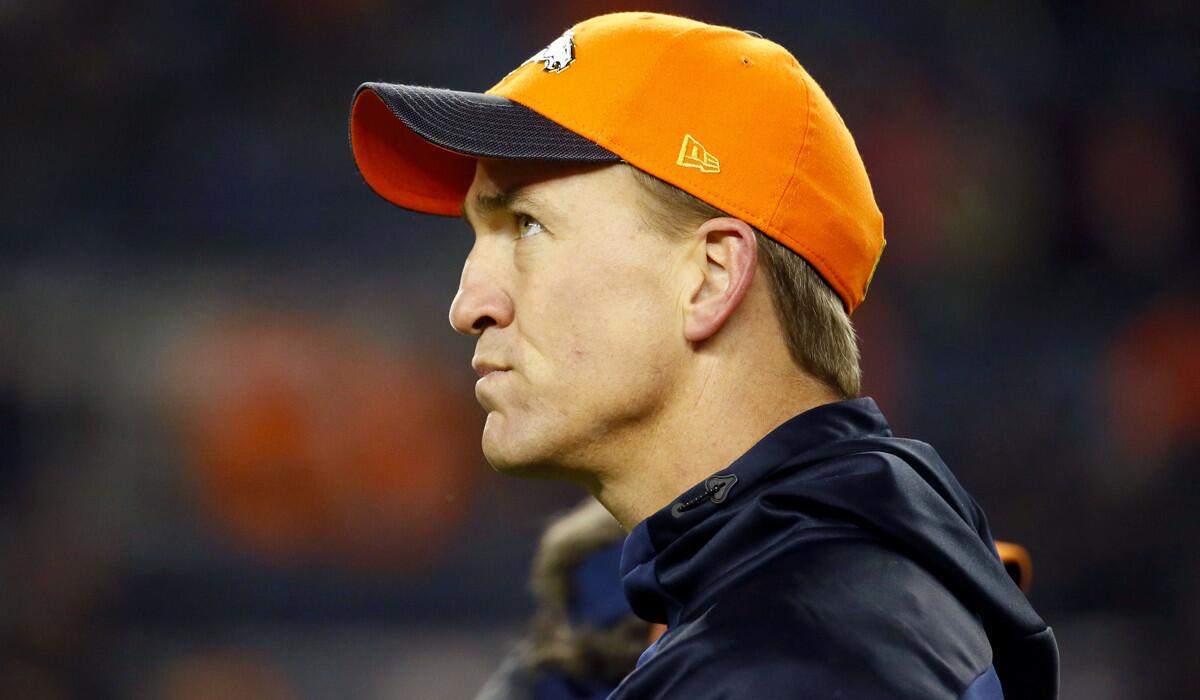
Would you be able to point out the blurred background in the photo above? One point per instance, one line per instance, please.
(238, 440)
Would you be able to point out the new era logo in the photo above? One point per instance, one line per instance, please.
(693, 154)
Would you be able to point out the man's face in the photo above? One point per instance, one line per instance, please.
(575, 304)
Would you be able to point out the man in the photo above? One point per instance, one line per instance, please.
(672, 226)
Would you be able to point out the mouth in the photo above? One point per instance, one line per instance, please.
(489, 384)
(486, 369)
(492, 374)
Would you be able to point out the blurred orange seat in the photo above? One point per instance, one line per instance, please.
(1017, 563)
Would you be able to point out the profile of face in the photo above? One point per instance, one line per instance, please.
(575, 306)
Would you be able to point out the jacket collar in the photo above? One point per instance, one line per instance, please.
(649, 572)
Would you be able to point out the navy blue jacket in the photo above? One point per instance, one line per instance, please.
(831, 560)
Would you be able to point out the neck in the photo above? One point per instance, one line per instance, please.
(714, 421)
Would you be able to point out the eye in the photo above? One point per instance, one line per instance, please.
(527, 225)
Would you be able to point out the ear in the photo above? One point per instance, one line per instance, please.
(730, 256)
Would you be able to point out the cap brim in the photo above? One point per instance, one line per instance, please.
(417, 146)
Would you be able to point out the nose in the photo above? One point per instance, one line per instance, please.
(481, 300)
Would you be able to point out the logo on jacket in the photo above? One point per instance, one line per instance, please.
(716, 490)
(720, 486)
(558, 55)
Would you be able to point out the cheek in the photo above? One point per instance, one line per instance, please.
(611, 324)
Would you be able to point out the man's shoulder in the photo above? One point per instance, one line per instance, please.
(853, 589)
(843, 615)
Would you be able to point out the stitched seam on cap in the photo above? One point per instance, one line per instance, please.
(829, 270)
(799, 153)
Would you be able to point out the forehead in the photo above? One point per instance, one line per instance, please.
(549, 187)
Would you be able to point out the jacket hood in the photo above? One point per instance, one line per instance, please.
(837, 463)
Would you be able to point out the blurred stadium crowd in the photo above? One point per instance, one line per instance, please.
(238, 441)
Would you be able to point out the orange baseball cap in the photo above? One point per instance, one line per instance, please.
(721, 113)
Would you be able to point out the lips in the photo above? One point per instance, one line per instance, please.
(485, 367)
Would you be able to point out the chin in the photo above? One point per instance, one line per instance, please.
(519, 455)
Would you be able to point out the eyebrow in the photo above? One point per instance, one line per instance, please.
(487, 203)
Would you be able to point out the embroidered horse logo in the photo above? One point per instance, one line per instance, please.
(558, 55)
